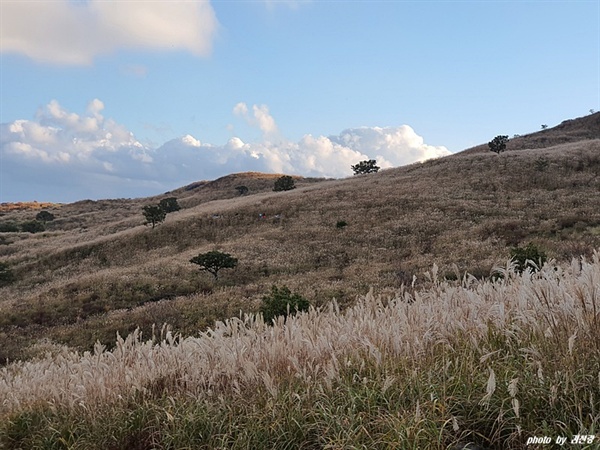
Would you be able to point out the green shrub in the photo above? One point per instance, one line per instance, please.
(281, 302)
(341, 224)
(44, 216)
(6, 274)
(242, 190)
(32, 226)
(284, 183)
(528, 257)
(8, 227)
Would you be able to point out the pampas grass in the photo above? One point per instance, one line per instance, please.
(489, 362)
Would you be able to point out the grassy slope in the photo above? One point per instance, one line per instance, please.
(98, 270)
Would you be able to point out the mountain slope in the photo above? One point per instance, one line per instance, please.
(98, 270)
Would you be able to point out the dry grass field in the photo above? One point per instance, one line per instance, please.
(398, 357)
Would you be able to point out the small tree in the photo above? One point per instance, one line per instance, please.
(154, 215)
(365, 167)
(44, 216)
(242, 190)
(528, 257)
(214, 261)
(544, 126)
(169, 204)
(284, 183)
(498, 144)
(280, 302)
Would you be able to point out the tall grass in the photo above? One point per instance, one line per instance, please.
(470, 361)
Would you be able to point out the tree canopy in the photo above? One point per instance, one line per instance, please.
(367, 166)
(214, 261)
(498, 144)
(284, 183)
(154, 215)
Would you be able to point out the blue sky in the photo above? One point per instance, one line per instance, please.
(111, 99)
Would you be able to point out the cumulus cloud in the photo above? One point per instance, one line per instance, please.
(65, 32)
(261, 118)
(65, 156)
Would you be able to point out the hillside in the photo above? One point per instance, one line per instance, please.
(571, 130)
(97, 270)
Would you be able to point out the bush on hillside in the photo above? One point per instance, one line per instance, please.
(529, 257)
(8, 227)
(281, 302)
(284, 183)
(44, 216)
(32, 226)
(341, 224)
(242, 190)
(6, 274)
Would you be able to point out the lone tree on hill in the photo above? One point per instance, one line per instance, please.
(284, 183)
(169, 204)
(365, 167)
(498, 144)
(154, 215)
(214, 261)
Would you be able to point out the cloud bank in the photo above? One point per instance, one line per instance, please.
(63, 156)
(73, 33)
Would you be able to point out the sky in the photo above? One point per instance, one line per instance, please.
(132, 98)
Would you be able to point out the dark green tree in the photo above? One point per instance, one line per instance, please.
(281, 302)
(32, 226)
(6, 274)
(169, 204)
(44, 216)
(369, 166)
(154, 215)
(528, 257)
(284, 183)
(242, 190)
(498, 144)
(214, 261)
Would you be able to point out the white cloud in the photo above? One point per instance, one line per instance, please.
(64, 156)
(261, 118)
(64, 32)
